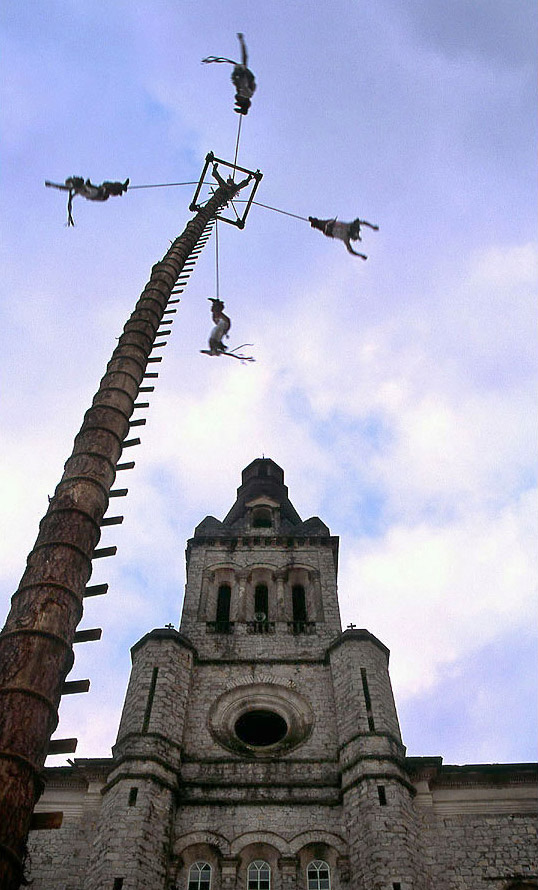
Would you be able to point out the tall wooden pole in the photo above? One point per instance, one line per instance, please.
(36, 644)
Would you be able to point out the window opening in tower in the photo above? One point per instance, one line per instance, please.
(261, 603)
(259, 875)
(223, 609)
(261, 728)
(298, 599)
(200, 876)
(261, 518)
(318, 875)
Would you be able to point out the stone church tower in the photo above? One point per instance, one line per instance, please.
(259, 746)
(282, 729)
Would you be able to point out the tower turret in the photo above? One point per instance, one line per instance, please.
(377, 794)
(132, 846)
(262, 581)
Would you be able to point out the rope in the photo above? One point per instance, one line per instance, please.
(161, 185)
(276, 209)
(237, 142)
(217, 255)
(70, 220)
(285, 212)
(234, 209)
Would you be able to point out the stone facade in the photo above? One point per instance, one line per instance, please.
(259, 747)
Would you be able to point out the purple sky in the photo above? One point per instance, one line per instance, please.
(397, 394)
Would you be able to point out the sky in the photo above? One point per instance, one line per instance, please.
(398, 394)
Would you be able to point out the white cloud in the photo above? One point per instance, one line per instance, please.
(456, 456)
(435, 594)
(400, 386)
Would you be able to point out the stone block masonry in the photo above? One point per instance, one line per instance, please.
(276, 740)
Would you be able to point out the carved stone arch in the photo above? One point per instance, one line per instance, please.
(196, 847)
(262, 517)
(210, 838)
(308, 578)
(223, 564)
(268, 838)
(261, 567)
(318, 837)
(312, 571)
(260, 574)
(224, 572)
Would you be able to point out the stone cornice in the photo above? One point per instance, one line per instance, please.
(260, 661)
(377, 734)
(376, 777)
(289, 539)
(80, 773)
(143, 737)
(438, 775)
(359, 635)
(164, 633)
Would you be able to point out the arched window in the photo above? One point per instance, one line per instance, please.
(261, 517)
(259, 875)
(200, 876)
(298, 600)
(318, 875)
(223, 604)
(261, 601)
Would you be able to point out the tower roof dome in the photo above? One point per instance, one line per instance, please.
(262, 501)
(263, 478)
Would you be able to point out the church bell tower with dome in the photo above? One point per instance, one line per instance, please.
(259, 746)
(261, 742)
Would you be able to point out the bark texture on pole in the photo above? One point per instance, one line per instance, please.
(36, 644)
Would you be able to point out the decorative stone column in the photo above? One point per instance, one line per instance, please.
(228, 872)
(242, 581)
(288, 866)
(280, 578)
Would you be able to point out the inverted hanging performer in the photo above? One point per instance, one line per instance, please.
(346, 232)
(76, 185)
(242, 78)
(222, 325)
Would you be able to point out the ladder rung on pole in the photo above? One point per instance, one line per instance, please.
(74, 687)
(62, 746)
(96, 590)
(103, 552)
(88, 636)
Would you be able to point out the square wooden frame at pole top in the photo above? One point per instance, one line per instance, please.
(240, 220)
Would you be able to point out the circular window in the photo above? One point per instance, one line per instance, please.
(261, 728)
(261, 719)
